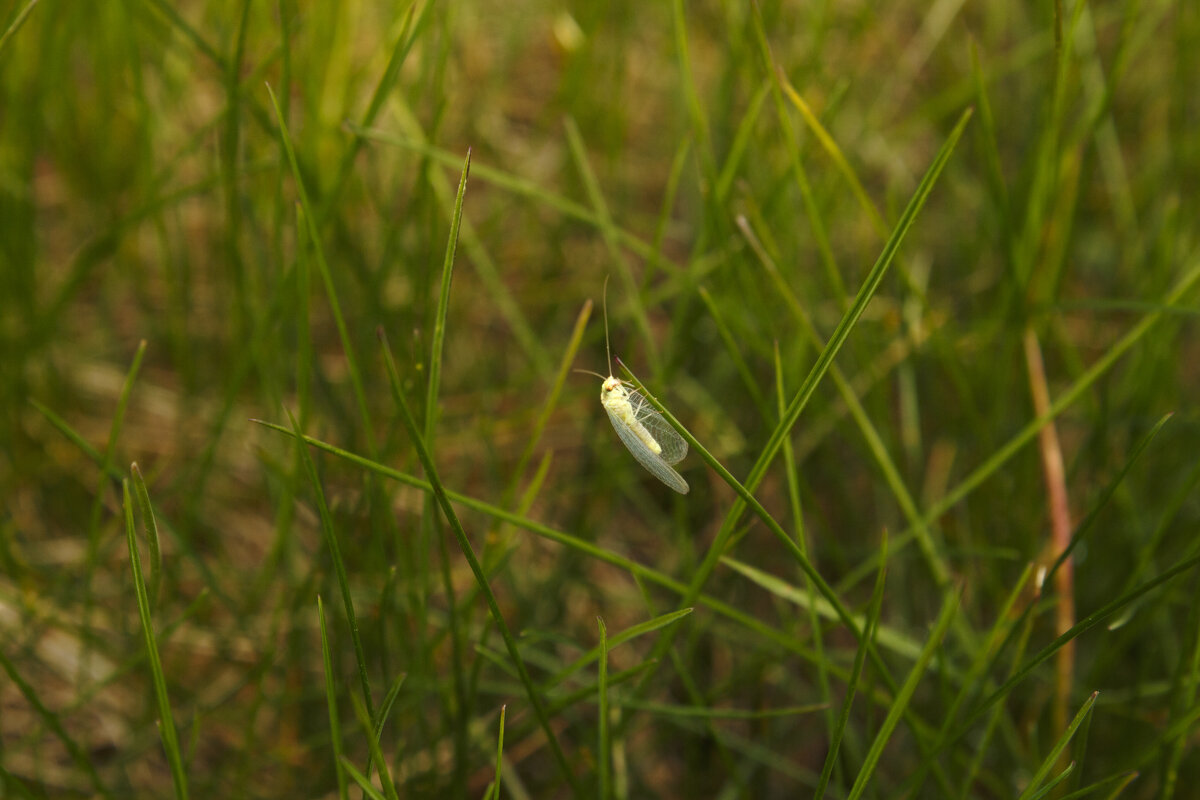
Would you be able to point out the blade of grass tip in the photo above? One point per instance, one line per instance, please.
(17, 23)
(52, 722)
(385, 774)
(949, 610)
(362, 780)
(860, 659)
(497, 291)
(1060, 746)
(335, 726)
(385, 708)
(429, 523)
(170, 737)
(604, 744)
(152, 543)
(443, 307)
(93, 538)
(495, 793)
(61, 425)
(339, 566)
(464, 544)
(335, 307)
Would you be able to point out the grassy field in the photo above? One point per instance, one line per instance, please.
(917, 282)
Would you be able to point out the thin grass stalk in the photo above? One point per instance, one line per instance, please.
(166, 719)
(1060, 747)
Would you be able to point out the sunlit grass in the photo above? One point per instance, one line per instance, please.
(917, 284)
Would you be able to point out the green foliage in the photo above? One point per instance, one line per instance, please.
(916, 282)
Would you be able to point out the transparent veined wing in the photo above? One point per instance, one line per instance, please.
(657, 465)
(674, 447)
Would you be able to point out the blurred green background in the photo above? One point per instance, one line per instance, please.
(736, 169)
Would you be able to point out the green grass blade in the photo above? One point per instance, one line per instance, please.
(1035, 783)
(443, 307)
(152, 543)
(368, 726)
(429, 523)
(495, 793)
(16, 24)
(170, 738)
(604, 745)
(362, 780)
